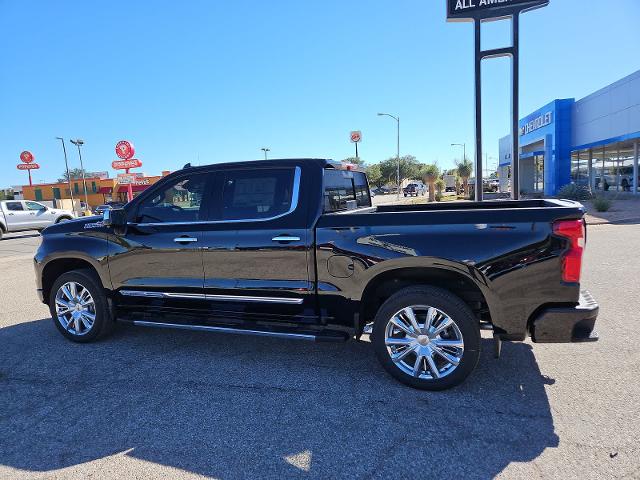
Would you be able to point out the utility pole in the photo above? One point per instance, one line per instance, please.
(397, 119)
(78, 142)
(66, 164)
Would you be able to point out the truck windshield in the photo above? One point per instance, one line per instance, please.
(340, 186)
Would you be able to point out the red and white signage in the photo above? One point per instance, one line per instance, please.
(28, 166)
(125, 150)
(26, 157)
(126, 164)
(356, 137)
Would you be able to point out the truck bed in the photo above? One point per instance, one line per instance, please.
(492, 211)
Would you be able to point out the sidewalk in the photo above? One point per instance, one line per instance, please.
(624, 209)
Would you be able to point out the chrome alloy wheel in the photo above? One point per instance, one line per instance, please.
(424, 342)
(75, 308)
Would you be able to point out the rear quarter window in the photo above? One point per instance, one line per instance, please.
(340, 186)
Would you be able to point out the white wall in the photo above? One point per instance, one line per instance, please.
(608, 113)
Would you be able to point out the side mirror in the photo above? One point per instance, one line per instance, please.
(114, 217)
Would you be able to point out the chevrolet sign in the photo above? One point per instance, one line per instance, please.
(468, 10)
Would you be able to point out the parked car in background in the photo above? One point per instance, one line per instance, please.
(21, 215)
(450, 183)
(414, 189)
(295, 249)
(491, 185)
(107, 206)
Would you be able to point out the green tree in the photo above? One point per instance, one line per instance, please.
(409, 168)
(430, 175)
(440, 187)
(74, 174)
(465, 170)
(375, 175)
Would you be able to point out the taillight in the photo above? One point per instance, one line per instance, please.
(574, 231)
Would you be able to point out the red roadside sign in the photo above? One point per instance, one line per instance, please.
(28, 166)
(26, 156)
(126, 164)
(125, 150)
(356, 136)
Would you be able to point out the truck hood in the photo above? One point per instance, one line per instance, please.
(76, 225)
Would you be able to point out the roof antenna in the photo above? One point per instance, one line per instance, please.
(188, 165)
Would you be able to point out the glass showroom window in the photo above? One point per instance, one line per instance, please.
(598, 168)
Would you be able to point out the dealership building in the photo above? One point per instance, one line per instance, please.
(593, 141)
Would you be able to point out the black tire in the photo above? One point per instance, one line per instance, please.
(103, 323)
(1, 233)
(445, 301)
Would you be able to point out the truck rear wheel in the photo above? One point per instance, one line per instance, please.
(79, 306)
(427, 338)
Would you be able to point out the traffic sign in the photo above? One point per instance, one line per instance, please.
(125, 150)
(28, 166)
(126, 164)
(356, 137)
(26, 156)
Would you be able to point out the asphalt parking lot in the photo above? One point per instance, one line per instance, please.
(156, 404)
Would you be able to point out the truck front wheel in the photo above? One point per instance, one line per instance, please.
(427, 338)
(79, 306)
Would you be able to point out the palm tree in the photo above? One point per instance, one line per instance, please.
(430, 175)
(465, 170)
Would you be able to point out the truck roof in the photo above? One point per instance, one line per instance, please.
(282, 162)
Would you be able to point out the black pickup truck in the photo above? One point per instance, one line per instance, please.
(294, 248)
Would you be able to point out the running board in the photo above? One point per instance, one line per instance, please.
(326, 336)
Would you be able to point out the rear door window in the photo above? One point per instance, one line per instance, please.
(340, 186)
(15, 206)
(258, 194)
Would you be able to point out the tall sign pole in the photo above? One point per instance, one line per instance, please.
(27, 164)
(356, 137)
(479, 11)
(125, 151)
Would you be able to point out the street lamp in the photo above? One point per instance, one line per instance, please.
(265, 150)
(464, 149)
(397, 119)
(66, 164)
(78, 143)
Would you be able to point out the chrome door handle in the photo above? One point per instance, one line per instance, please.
(285, 238)
(185, 240)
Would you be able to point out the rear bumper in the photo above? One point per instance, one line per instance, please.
(567, 324)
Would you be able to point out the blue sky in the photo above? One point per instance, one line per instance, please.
(213, 81)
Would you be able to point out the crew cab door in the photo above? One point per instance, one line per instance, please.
(16, 216)
(257, 247)
(156, 263)
(40, 216)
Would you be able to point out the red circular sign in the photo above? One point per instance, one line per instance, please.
(125, 150)
(356, 137)
(26, 156)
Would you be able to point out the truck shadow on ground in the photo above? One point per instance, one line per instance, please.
(237, 407)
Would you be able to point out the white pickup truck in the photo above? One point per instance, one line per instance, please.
(20, 215)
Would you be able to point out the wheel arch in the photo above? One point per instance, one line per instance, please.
(386, 283)
(53, 269)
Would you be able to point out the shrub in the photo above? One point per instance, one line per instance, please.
(602, 204)
(575, 192)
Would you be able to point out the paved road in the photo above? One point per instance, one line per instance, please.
(157, 404)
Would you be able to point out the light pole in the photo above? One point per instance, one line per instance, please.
(464, 149)
(397, 119)
(66, 164)
(265, 150)
(78, 142)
